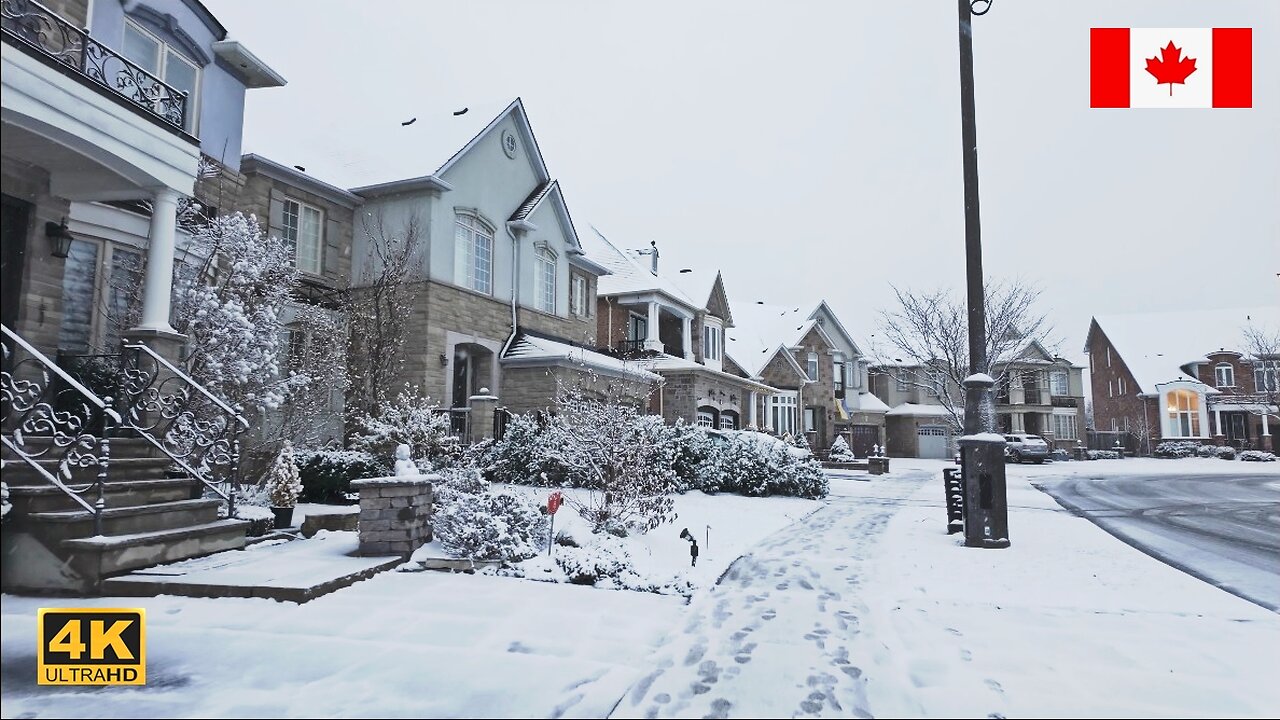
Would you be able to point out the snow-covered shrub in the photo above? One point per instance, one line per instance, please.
(523, 456)
(760, 466)
(474, 521)
(1102, 454)
(797, 440)
(622, 455)
(5, 505)
(1257, 456)
(840, 451)
(696, 459)
(283, 483)
(410, 420)
(593, 563)
(1225, 452)
(327, 474)
(1177, 449)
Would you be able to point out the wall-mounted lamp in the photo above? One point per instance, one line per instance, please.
(444, 360)
(60, 236)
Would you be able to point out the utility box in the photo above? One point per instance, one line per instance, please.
(986, 509)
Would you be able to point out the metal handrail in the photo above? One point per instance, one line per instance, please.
(188, 379)
(45, 361)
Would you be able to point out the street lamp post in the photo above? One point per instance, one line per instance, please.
(982, 452)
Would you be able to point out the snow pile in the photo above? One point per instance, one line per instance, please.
(1102, 454)
(1222, 452)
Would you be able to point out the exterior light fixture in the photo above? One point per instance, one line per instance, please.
(444, 360)
(60, 236)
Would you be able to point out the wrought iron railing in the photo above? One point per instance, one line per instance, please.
(458, 420)
(55, 425)
(47, 35)
(183, 420)
(501, 416)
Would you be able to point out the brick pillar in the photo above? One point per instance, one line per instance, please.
(395, 513)
(480, 424)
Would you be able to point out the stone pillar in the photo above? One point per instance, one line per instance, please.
(686, 328)
(395, 513)
(651, 341)
(480, 423)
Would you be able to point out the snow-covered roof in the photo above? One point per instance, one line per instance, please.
(696, 283)
(864, 402)
(760, 330)
(1155, 346)
(535, 350)
(916, 409)
(630, 273)
(663, 362)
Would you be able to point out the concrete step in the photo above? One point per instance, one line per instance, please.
(120, 447)
(120, 493)
(18, 472)
(64, 525)
(100, 557)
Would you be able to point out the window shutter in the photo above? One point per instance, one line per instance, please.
(460, 242)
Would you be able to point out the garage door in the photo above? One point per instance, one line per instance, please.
(933, 441)
(865, 438)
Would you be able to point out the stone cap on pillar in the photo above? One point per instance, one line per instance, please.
(979, 438)
(394, 480)
(979, 380)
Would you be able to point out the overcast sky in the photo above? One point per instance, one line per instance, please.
(812, 148)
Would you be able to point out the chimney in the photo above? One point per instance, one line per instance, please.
(653, 260)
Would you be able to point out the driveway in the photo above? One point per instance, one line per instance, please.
(1222, 529)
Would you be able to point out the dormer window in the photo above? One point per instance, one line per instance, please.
(171, 67)
(1224, 375)
(711, 342)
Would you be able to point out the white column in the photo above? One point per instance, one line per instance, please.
(158, 284)
(751, 408)
(651, 341)
(686, 325)
(1266, 428)
(1217, 422)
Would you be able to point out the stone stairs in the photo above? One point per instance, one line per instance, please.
(152, 515)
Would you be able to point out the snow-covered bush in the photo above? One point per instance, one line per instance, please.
(5, 505)
(760, 466)
(523, 457)
(622, 455)
(797, 440)
(413, 421)
(597, 561)
(1102, 454)
(1224, 452)
(696, 458)
(474, 521)
(1257, 456)
(283, 483)
(327, 474)
(840, 451)
(1177, 449)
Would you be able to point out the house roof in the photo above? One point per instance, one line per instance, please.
(530, 349)
(1156, 346)
(761, 330)
(629, 272)
(666, 362)
(918, 410)
(863, 402)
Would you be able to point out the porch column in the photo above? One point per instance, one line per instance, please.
(1266, 427)
(651, 341)
(686, 325)
(1217, 422)
(158, 284)
(751, 408)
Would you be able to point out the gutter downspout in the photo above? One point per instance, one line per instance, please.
(515, 229)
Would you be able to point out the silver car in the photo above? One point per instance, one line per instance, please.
(1020, 447)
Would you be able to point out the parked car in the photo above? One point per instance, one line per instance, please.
(1020, 447)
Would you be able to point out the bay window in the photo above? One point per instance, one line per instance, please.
(711, 342)
(1183, 408)
(578, 296)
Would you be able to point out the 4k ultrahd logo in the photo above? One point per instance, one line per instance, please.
(92, 646)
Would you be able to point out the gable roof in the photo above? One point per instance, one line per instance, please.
(629, 273)
(1156, 346)
(761, 331)
(536, 350)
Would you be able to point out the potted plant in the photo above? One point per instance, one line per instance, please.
(284, 485)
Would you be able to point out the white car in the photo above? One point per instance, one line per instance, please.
(1019, 447)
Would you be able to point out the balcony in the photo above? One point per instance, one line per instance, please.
(46, 36)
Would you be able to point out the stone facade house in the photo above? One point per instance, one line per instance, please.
(505, 294)
(1184, 376)
(820, 373)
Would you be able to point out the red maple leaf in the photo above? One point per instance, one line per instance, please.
(1169, 69)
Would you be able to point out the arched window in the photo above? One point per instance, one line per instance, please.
(708, 417)
(728, 420)
(1184, 413)
(544, 280)
(473, 253)
(1224, 375)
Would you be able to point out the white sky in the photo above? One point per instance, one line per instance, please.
(814, 147)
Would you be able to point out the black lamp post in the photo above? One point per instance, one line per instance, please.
(986, 521)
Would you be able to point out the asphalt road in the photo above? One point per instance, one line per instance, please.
(1224, 530)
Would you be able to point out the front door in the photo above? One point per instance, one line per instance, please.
(1237, 428)
(15, 214)
(462, 376)
(864, 439)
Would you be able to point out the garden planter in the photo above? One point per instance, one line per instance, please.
(284, 517)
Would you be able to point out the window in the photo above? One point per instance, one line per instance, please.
(151, 54)
(301, 225)
(1120, 382)
(837, 373)
(1266, 375)
(810, 419)
(1111, 388)
(706, 419)
(1058, 384)
(544, 280)
(711, 342)
(728, 420)
(1064, 427)
(1184, 413)
(901, 377)
(811, 368)
(782, 413)
(1109, 350)
(578, 296)
(1224, 375)
(473, 254)
(637, 328)
(295, 347)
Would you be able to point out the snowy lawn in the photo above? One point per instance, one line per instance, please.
(429, 644)
(1069, 621)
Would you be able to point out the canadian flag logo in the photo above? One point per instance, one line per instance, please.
(1171, 67)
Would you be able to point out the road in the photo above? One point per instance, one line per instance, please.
(1224, 530)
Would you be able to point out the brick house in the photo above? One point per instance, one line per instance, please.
(677, 330)
(506, 295)
(1183, 376)
(819, 370)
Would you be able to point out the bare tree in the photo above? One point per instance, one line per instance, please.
(927, 336)
(1262, 347)
(378, 310)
